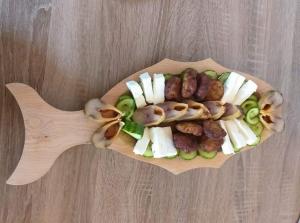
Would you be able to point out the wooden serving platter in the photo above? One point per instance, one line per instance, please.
(50, 131)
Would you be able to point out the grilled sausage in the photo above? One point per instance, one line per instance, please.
(215, 91)
(209, 144)
(172, 88)
(189, 83)
(189, 128)
(212, 129)
(203, 82)
(185, 142)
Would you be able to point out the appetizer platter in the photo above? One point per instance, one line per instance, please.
(176, 115)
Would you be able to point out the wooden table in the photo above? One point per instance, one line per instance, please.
(73, 50)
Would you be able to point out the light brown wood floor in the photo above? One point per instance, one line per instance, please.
(73, 50)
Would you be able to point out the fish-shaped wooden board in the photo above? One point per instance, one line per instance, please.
(48, 135)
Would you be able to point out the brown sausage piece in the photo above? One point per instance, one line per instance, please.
(212, 129)
(185, 142)
(203, 82)
(189, 128)
(189, 83)
(172, 88)
(215, 91)
(209, 144)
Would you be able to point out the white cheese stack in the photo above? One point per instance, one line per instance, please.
(245, 92)
(227, 147)
(146, 83)
(237, 138)
(162, 140)
(137, 93)
(249, 135)
(159, 88)
(232, 86)
(142, 144)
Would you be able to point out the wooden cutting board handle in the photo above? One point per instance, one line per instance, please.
(48, 133)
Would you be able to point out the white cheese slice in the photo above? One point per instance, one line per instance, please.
(162, 142)
(246, 131)
(237, 138)
(231, 87)
(245, 92)
(140, 101)
(141, 145)
(137, 93)
(146, 83)
(227, 147)
(158, 88)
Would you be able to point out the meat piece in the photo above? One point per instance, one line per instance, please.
(203, 82)
(212, 129)
(209, 144)
(172, 88)
(185, 142)
(215, 91)
(190, 128)
(215, 108)
(189, 83)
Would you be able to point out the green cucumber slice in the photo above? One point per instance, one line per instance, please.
(148, 152)
(211, 73)
(187, 156)
(168, 76)
(236, 150)
(124, 96)
(207, 155)
(133, 129)
(223, 77)
(256, 142)
(252, 116)
(126, 106)
(257, 128)
(253, 98)
(248, 104)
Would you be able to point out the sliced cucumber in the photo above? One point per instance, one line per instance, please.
(211, 73)
(248, 104)
(257, 128)
(236, 150)
(168, 76)
(223, 77)
(126, 106)
(148, 152)
(206, 154)
(252, 116)
(258, 138)
(124, 96)
(134, 129)
(187, 156)
(253, 98)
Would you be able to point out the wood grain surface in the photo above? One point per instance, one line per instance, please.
(72, 50)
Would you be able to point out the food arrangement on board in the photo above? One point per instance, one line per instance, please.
(164, 115)
(188, 114)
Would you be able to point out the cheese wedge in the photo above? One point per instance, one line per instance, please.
(245, 92)
(158, 88)
(249, 135)
(232, 86)
(227, 147)
(141, 145)
(162, 142)
(237, 138)
(146, 83)
(137, 93)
